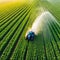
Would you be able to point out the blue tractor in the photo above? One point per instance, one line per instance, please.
(30, 36)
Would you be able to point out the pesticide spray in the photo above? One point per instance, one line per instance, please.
(38, 24)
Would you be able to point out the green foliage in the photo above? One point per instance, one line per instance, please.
(14, 24)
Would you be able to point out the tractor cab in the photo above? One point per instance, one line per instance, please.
(30, 36)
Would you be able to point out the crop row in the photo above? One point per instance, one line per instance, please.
(10, 19)
(53, 39)
(10, 33)
(15, 38)
(9, 15)
(3, 33)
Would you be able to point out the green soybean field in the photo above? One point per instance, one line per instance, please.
(16, 19)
